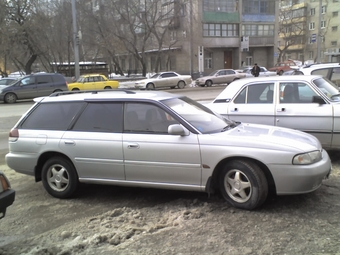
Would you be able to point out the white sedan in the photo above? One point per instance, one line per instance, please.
(307, 103)
(164, 79)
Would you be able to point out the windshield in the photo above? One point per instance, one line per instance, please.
(213, 73)
(199, 116)
(328, 88)
(155, 75)
(81, 79)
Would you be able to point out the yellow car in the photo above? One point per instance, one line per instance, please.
(93, 82)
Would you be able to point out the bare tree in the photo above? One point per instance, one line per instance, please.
(292, 27)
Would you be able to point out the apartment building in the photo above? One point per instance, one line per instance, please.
(201, 35)
(309, 30)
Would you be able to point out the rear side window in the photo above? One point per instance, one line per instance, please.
(322, 72)
(52, 116)
(101, 117)
(58, 78)
(44, 79)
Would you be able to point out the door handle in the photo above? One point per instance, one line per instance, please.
(69, 142)
(133, 146)
(235, 110)
(281, 110)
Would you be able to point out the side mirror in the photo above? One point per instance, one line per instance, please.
(177, 129)
(318, 100)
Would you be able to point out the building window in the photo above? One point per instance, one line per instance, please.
(173, 35)
(334, 43)
(335, 14)
(323, 24)
(311, 26)
(323, 9)
(312, 12)
(221, 30)
(220, 6)
(258, 7)
(310, 55)
(208, 60)
(257, 30)
(334, 28)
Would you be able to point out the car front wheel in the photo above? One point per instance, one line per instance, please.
(59, 177)
(150, 86)
(10, 98)
(243, 184)
(208, 83)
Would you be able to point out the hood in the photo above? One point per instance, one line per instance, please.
(270, 137)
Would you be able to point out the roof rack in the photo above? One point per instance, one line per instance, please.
(320, 63)
(61, 93)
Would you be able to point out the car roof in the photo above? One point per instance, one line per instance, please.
(235, 86)
(320, 65)
(106, 95)
(91, 74)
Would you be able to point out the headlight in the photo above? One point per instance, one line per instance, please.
(307, 158)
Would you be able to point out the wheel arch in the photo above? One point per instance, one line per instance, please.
(42, 160)
(212, 183)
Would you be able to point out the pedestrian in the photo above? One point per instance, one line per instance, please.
(255, 70)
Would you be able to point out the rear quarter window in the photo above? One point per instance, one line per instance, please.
(58, 79)
(52, 116)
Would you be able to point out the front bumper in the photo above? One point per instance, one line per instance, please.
(6, 199)
(299, 179)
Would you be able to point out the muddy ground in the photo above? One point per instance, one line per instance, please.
(119, 220)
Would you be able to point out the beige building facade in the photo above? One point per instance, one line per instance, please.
(318, 40)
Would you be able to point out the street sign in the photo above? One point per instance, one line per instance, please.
(313, 40)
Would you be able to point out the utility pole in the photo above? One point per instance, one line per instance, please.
(191, 39)
(75, 41)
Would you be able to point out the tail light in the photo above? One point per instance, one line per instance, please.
(13, 135)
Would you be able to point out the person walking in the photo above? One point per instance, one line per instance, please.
(255, 70)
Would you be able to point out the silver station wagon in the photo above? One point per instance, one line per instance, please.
(307, 103)
(156, 139)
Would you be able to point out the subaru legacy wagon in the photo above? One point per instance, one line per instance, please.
(155, 139)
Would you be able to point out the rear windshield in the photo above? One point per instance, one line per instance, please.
(52, 116)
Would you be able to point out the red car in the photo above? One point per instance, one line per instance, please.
(281, 67)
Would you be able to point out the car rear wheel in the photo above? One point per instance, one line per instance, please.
(59, 177)
(181, 85)
(75, 89)
(243, 184)
(150, 86)
(10, 98)
(208, 83)
(281, 72)
(107, 87)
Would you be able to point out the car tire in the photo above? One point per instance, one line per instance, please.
(181, 84)
(10, 98)
(150, 86)
(281, 72)
(59, 177)
(107, 87)
(208, 83)
(243, 184)
(75, 89)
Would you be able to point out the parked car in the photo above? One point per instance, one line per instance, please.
(33, 85)
(263, 72)
(223, 76)
(93, 82)
(7, 195)
(156, 139)
(307, 103)
(6, 81)
(164, 79)
(281, 67)
(330, 71)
